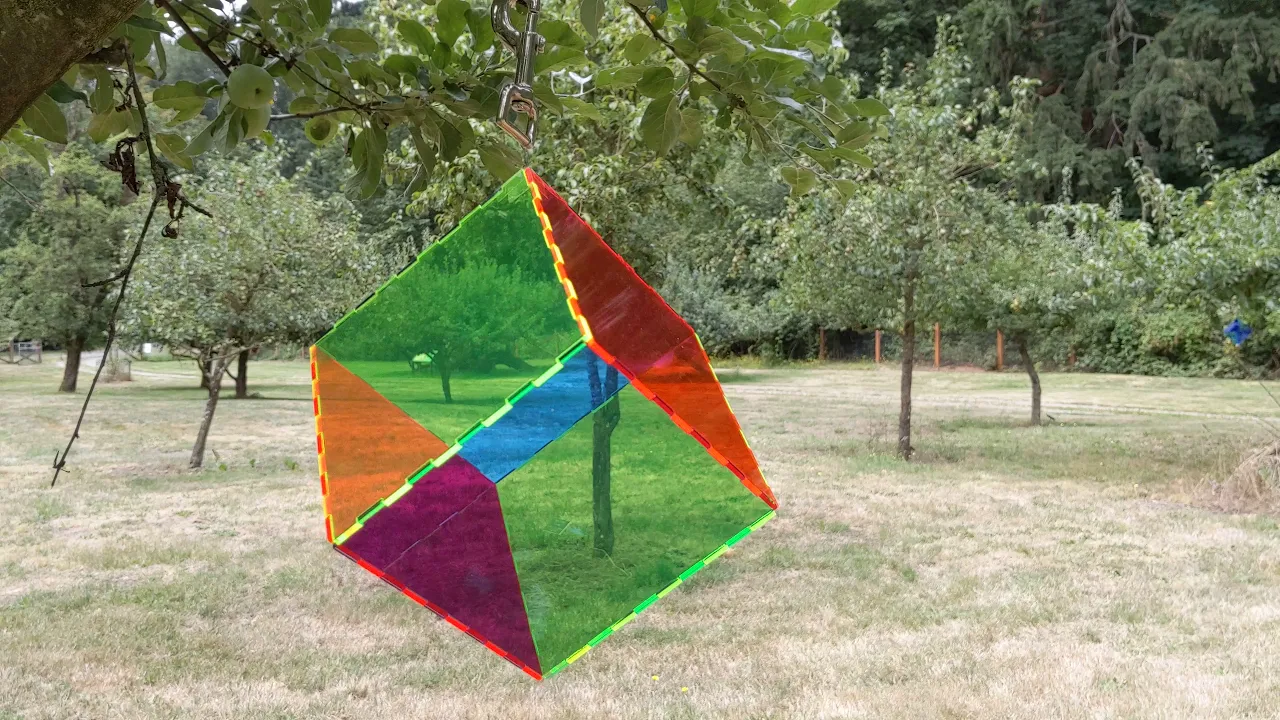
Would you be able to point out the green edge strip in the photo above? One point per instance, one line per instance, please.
(661, 593)
(454, 449)
(373, 510)
(471, 431)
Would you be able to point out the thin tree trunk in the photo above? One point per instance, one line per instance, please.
(604, 422)
(70, 373)
(1025, 354)
(603, 425)
(205, 367)
(445, 373)
(822, 344)
(908, 365)
(242, 375)
(210, 405)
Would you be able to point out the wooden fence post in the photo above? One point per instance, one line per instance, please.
(877, 347)
(999, 350)
(937, 345)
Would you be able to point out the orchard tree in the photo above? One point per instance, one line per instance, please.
(1032, 272)
(53, 279)
(885, 250)
(272, 265)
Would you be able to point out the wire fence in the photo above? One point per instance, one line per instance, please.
(940, 347)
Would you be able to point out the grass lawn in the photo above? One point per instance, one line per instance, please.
(1054, 572)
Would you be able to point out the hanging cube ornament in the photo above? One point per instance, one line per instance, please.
(519, 434)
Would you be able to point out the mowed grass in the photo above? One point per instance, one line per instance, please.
(1053, 572)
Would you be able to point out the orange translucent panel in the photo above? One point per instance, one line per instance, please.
(634, 329)
(684, 384)
(368, 446)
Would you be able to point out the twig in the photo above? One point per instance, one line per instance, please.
(200, 43)
(657, 35)
(314, 113)
(30, 203)
(735, 101)
(220, 22)
(195, 207)
(108, 281)
(60, 461)
(158, 179)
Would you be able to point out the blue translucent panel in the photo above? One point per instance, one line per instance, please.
(543, 414)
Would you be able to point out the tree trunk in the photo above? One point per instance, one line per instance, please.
(1035, 378)
(242, 375)
(822, 344)
(445, 372)
(603, 422)
(205, 368)
(70, 373)
(908, 365)
(210, 405)
(602, 427)
(41, 39)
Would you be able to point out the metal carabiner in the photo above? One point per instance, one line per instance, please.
(516, 98)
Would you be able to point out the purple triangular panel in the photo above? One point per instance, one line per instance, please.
(445, 541)
(435, 498)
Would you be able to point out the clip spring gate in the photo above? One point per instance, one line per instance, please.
(516, 99)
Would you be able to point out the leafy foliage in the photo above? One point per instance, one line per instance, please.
(905, 227)
(431, 70)
(1124, 78)
(72, 239)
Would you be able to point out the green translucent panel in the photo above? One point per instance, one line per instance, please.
(671, 505)
(480, 312)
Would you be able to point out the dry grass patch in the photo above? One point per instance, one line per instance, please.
(1013, 572)
(1253, 486)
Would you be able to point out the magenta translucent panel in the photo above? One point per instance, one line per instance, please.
(445, 542)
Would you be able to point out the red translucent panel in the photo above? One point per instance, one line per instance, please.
(368, 446)
(633, 328)
(444, 543)
(631, 321)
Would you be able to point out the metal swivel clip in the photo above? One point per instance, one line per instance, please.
(517, 94)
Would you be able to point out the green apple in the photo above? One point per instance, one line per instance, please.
(257, 119)
(251, 87)
(321, 130)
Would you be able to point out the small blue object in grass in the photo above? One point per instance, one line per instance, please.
(1238, 332)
